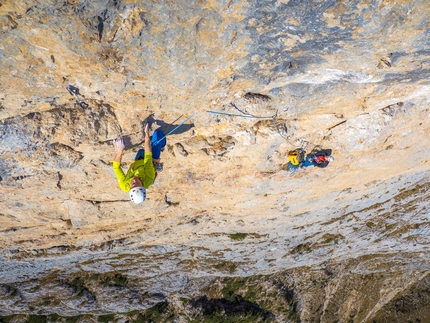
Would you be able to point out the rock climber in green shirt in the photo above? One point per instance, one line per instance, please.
(141, 173)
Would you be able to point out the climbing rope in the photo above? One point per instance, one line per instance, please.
(155, 143)
(238, 115)
(247, 115)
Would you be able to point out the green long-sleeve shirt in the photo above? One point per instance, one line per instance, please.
(143, 169)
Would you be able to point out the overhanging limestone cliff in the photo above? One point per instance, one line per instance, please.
(351, 76)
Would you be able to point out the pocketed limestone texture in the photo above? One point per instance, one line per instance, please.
(226, 232)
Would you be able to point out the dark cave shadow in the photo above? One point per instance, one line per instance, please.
(231, 308)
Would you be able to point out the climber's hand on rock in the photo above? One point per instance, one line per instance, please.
(119, 144)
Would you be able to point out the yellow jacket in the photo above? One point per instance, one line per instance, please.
(143, 169)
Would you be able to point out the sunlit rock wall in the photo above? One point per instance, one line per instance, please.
(351, 76)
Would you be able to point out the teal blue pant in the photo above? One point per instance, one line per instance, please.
(156, 149)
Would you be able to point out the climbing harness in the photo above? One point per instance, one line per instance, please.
(75, 92)
(155, 143)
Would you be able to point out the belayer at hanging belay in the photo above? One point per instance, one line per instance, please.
(319, 158)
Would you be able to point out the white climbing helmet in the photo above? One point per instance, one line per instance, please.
(137, 194)
(331, 158)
